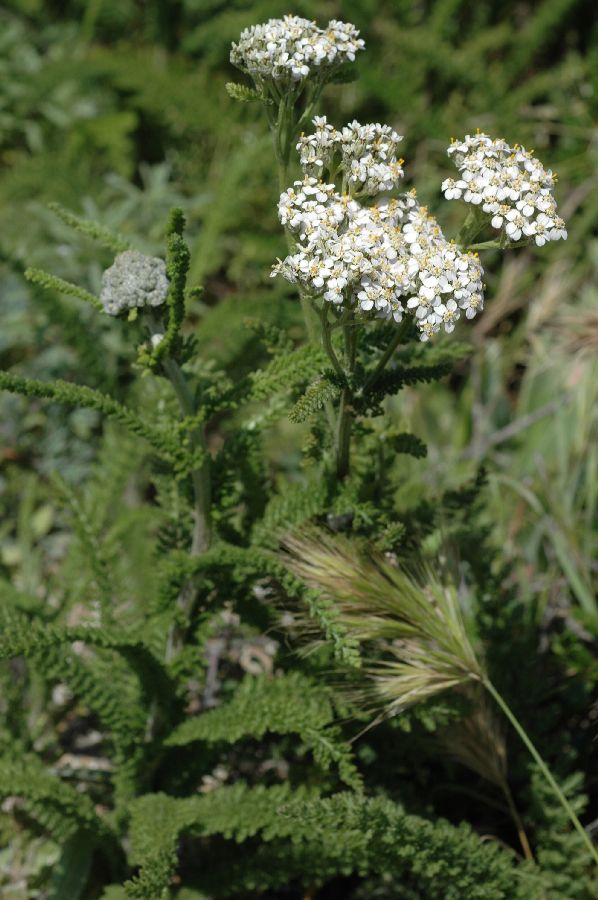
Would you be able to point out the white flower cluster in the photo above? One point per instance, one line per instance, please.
(291, 48)
(366, 153)
(134, 280)
(509, 184)
(384, 258)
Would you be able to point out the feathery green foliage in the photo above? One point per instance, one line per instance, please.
(561, 854)
(178, 707)
(78, 395)
(244, 94)
(93, 230)
(285, 704)
(54, 805)
(52, 283)
(317, 394)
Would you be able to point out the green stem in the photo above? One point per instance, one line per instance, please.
(310, 326)
(201, 476)
(201, 537)
(397, 339)
(498, 245)
(343, 437)
(285, 129)
(346, 413)
(543, 767)
(90, 18)
(310, 106)
(327, 342)
(329, 349)
(475, 220)
(283, 132)
(201, 480)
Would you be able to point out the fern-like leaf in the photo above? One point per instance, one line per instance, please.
(316, 396)
(157, 821)
(57, 807)
(285, 372)
(53, 283)
(408, 443)
(286, 704)
(296, 504)
(115, 242)
(244, 94)
(319, 839)
(79, 395)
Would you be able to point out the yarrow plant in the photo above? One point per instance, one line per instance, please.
(167, 640)
(362, 249)
(366, 154)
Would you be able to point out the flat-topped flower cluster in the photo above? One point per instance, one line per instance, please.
(509, 184)
(386, 257)
(366, 154)
(357, 248)
(293, 48)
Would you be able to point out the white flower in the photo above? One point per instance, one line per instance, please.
(134, 280)
(515, 224)
(291, 48)
(309, 207)
(369, 157)
(366, 154)
(453, 190)
(316, 150)
(509, 183)
(382, 259)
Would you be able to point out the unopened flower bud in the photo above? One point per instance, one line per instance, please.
(134, 281)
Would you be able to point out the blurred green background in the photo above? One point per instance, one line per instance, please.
(117, 109)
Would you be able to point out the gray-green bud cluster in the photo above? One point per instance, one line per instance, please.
(133, 281)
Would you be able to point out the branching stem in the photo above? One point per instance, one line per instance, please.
(471, 227)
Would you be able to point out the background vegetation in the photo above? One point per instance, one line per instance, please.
(117, 109)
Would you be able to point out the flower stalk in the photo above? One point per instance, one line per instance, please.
(510, 715)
